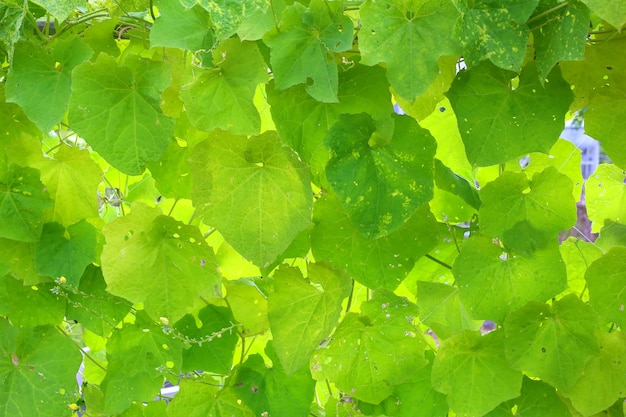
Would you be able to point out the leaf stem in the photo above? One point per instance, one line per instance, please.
(350, 298)
(442, 263)
(82, 351)
(172, 208)
(547, 12)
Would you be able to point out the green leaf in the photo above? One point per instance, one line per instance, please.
(604, 379)
(227, 15)
(259, 21)
(301, 48)
(545, 203)
(169, 30)
(497, 123)
(32, 305)
(138, 355)
(58, 255)
(606, 196)
(221, 97)
(441, 309)
(613, 11)
(23, 200)
(471, 370)
(171, 172)
(380, 183)
(37, 372)
(40, 79)
(578, 255)
(201, 399)
(211, 346)
(606, 278)
(447, 180)
(154, 409)
(401, 35)
(176, 268)
(116, 110)
(249, 306)
(370, 354)
(383, 262)
(538, 399)
(561, 35)
(20, 259)
(71, 178)
(494, 30)
(600, 124)
(492, 282)
(60, 10)
(302, 315)
(552, 343)
(254, 191)
(93, 307)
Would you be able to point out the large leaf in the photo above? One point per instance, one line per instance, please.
(40, 79)
(301, 315)
(31, 305)
(553, 343)
(254, 191)
(613, 11)
(202, 398)
(383, 262)
(228, 15)
(301, 45)
(441, 309)
(606, 278)
(115, 108)
(177, 266)
(60, 10)
(379, 181)
(37, 372)
(471, 370)
(370, 354)
(221, 97)
(23, 200)
(401, 35)
(498, 123)
(606, 196)
(492, 282)
(494, 30)
(195, 34)
(538, 399)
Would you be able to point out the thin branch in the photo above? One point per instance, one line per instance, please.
(86, 354)
(442, 263)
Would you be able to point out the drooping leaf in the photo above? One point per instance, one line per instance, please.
(301, 315)
(554, 343)
(168, 30)
(401, 35)
(212, 344)
(606, 278)
(32, 305)
(37, 372)
(115, 108)
(471, 370)
(606, 196)
(493, 283)
(613, 11)
(497, 123)
(380, 182)
(254, 191)
(221, 97)
(23, 200)
(490, 29)
(370, 354)
(301, 46)
(383, 262)
(176, 268)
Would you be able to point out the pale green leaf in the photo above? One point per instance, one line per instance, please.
(302, 315)
(441, 309)
(552, 343)
(115, 108)
(37, 372)
(379, 181)
(228, 15)
(606, 196)
(176, 268)
(471, 370)
(613, 11)
(606, 278)
(578, 255)
(177, 27)
(402, 34)
(301, 46)
(249, 306)
(60, 9)
(171, 172)
(497, 123)
(254, 191)
(221, 97)
(603, 122)
(203, 399)
(493, 283)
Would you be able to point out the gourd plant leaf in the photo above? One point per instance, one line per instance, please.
(537, 399)
(38, 371)
(552, 342)
(40, 79)
(60, 10)
(613, 11)
(301, 315)
(441, 309)
(256, 192)
(493, 283)
(470, 356)
(194, 35)
(177, 265)
(400, 34)
(32, 305)
(498, 123)
(606, 196)
(606, 278)
(227, 16)
(302, 47)
(115, 108)
(222, 96)
(380, 181)
(201, 398)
